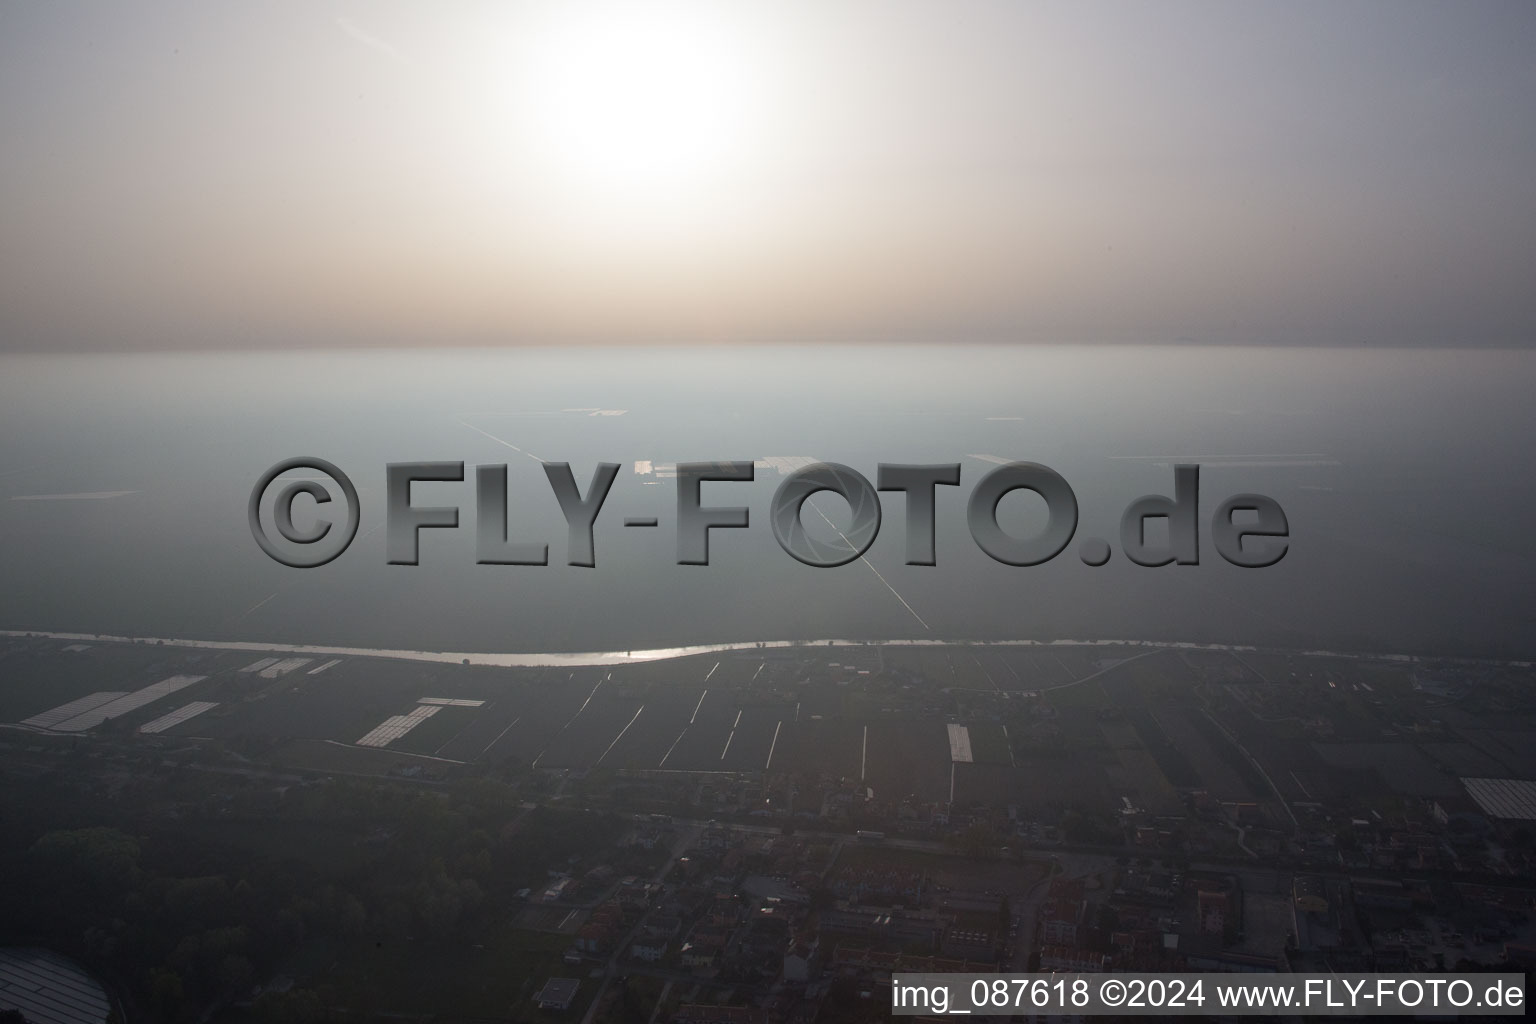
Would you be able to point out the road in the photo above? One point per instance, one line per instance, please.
(687, 836)
(1026, 910)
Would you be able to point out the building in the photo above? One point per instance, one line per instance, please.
(693, 1013)
(703, 948)
(846, 959)
(970, 944)
(1213, 908)
(42, 985)
(1311, 894)
(1505, 799)
(797, 960)
(662, 927)
(914, 928)
(648, 950)
(634, 894)
(1067, 958)
(595, 938)
(1061, 916)
(557, 994)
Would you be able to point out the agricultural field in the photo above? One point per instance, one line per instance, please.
(1041, 727)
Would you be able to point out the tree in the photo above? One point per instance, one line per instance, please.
(978, 840)
(296, 1006)
(166, 993)
(235, 975)
(102, 862)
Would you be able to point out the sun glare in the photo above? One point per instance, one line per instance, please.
(636, 100)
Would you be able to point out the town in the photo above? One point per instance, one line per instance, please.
(761, 835)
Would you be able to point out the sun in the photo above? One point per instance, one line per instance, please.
(639, 99)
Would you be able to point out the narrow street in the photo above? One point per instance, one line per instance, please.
(687, 836)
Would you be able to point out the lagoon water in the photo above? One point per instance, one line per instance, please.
(1408, 477)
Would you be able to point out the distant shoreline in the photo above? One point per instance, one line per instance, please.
(544, 659)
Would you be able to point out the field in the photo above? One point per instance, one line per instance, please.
(1057, 727)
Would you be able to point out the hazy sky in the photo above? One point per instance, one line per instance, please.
(217, 176)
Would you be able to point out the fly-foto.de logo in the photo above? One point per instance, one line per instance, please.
(1247, 530)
